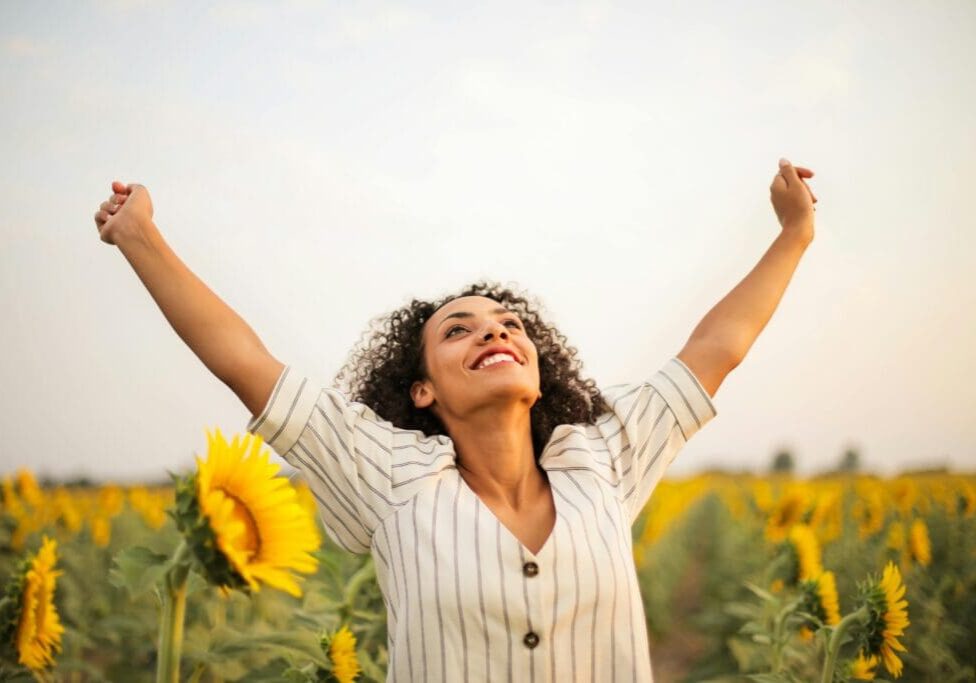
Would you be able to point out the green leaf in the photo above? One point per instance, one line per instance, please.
(232, 644)
(751, 627)
(195, 584)
(742, 610)
(370, 668)
(764, 594)
(16, 676)
(743, 651)
(137, 569)
(806, 616)
(768, 678)
(275, 671)
(364, 616)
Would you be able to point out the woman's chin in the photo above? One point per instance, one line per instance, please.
(511, 390)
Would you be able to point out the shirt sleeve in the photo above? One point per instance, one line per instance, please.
(648, 424)
(342, 448)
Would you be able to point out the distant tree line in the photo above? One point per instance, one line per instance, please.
(784, 462)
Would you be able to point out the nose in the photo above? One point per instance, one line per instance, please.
(497, 327)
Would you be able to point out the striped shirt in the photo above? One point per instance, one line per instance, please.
(465, 599)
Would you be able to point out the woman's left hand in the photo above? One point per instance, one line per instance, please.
(792, 199)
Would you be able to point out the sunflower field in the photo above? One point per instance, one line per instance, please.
(224, 575)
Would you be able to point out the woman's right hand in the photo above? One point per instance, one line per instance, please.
(128, 211)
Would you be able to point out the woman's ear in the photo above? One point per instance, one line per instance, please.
(421, 394)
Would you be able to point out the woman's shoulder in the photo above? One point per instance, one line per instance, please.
(405, 437)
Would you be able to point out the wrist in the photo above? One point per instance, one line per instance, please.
(799, 231)
(140, 236)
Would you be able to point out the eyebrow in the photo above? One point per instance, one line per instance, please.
(466, 314)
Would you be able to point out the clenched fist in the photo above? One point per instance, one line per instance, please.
(127, 212)
(792, 199)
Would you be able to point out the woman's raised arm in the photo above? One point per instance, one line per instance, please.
(216, 334)
(723, 337)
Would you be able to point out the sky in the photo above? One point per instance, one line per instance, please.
(320, 164)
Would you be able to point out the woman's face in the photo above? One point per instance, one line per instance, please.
(456, 339)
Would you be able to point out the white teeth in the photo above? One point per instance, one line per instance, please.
(495, 358)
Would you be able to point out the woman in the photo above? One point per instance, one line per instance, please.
(494, 487)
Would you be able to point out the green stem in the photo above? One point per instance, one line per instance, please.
(859, 617)
(197, 673)
(779, 638)
(171, 620)
(365, 573)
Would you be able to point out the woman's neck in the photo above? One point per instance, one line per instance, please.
(496, 458)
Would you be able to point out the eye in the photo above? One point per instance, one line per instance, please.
(450, 331)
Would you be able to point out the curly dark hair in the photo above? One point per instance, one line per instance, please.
(384, 365)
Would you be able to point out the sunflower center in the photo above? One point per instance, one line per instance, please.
(250, 540)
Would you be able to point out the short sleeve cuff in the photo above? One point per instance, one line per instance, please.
(687, 398)
(287, 411)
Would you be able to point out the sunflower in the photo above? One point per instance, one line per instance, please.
(17, 518)
(342, 654)
(966, 499)
(788, 511)
(244, 525)
(827, 518)
(918, 543)
(888, 618)
(827, 594)
(868, 510)
(11, 501)
(151, 505)
(862, 668)
(29, 490)
(806, 551)
(896, 537)
(820, 600)
(762, 495)
(101, 530)
(904, 491)
(29, 618)
(66, 510)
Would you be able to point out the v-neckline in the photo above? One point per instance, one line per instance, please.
(511, 534)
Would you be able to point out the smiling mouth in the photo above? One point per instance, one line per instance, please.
(501, 362)
(507, 359)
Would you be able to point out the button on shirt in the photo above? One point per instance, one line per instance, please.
(466, 601)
